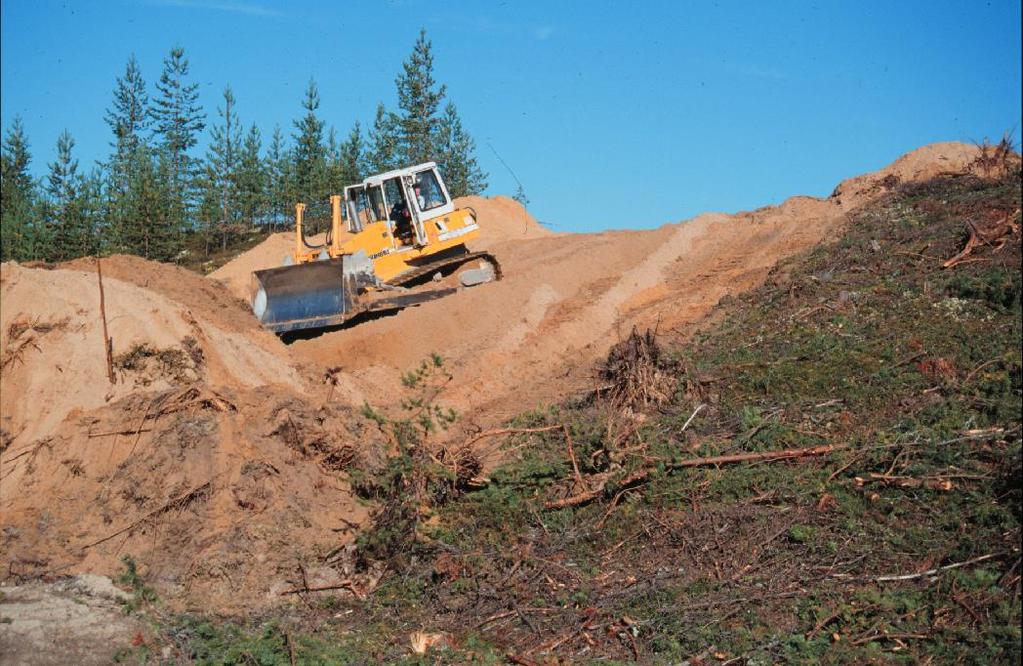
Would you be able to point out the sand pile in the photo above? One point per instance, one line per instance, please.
(501, 219)
(218, 495)
(208, 460)
(53, 354)
(922, 164)
(237, 273)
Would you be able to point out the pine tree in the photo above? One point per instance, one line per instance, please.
(179, 120)
(21, 238)
(222, 174)
(252, 177)
(353, 156)
(277, 167)
(385, 150)
(309, 154)
(520, 196)
(209, 212)
(63, 184)
(89, 214)
(335, 179)
(419, 98)
(151, 227)
(128, 120)
(457, 156)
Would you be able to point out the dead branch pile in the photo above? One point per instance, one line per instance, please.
(602, 484)
(637, 374)
(179, 365)
(193, 398)
(997, 159)
(994, 235)
(18, 342)
(200, 492)
(312, 435)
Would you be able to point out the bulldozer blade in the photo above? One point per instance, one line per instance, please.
(311, 295)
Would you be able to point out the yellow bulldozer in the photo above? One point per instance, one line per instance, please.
(406, 244)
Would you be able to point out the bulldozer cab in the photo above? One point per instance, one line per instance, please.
(406, 198)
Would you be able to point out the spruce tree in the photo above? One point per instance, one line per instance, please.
(63, 183)
(223, 160)
(419, 98)
(179, 119)
(21, 237)
(456, 156)
(385, 144)
(309, 154)
(252, 177)
(128, 120)
(353, 156)
(277, 168)
(335, 178)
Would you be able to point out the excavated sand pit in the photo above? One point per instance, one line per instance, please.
(217, 459)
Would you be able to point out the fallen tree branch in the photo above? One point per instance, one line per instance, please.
(932, 482)
(784, 454)
(178, 502)
(590, 495)
(343, 585)
(118, 432)
(641, 474)
(509, 431)
(932, 572)
(971, 243)
(693, 416)
(571, 454)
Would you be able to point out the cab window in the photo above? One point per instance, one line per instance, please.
(429, 193)
(361, 208)
(376, 203)
(394, 195)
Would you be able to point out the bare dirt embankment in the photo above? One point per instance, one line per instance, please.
(218, 458)
(566, 298)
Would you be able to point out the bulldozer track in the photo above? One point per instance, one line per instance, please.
(416, 274)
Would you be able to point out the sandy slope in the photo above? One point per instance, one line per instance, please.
(224, 473)
(565, 298)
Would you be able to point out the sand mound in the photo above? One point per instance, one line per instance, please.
(219, 495)
(204, 461)
(501, 219)
(53, 355)
(237, 273)
(203, 298)
(922, 164)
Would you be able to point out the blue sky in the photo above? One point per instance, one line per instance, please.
(612, 114)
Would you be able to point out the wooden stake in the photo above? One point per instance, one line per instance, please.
(108, 345)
